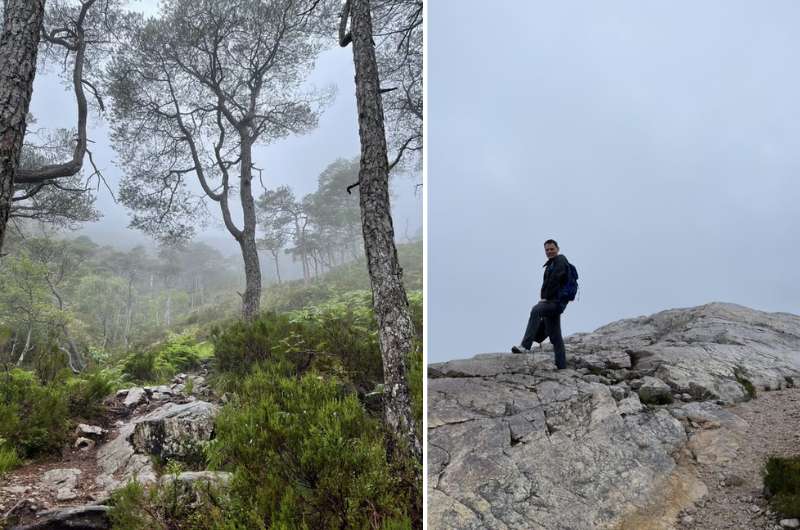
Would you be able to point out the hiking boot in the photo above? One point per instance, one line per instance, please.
(519, 349)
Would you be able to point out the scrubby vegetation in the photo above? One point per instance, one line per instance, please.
(782, 480)
(304, 451)
(179, 353)
(302, 432)
(741, 378)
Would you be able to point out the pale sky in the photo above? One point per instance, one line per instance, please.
(657, 142)
(295, 161)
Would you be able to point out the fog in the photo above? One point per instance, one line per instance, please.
(658, 143)
(295, 161)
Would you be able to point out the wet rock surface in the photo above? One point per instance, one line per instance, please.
(626, 437)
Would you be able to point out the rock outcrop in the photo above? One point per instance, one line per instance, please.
(513, 443)
(154, 423)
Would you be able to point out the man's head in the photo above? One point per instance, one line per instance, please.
(551, 248)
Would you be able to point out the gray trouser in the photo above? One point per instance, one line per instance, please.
(545, 321)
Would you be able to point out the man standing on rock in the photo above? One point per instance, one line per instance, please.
(545, 318)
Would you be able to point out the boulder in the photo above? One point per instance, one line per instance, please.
(74, 518)
(90, 431)
(189, 485)
(119, 462)
(175, 430)
(63, 482)
(654, 391)
(134, 397)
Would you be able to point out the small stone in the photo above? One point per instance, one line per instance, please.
(755, 509)
(790, 523)
(686, 397)
(655, 391)
(16, 490)
(135, 397)
(618, 392)
(66, 494)
(90, 431)
(687, 519)
(84, 444)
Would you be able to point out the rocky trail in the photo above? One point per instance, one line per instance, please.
(650, 427)
(735, 496)
(142, 425)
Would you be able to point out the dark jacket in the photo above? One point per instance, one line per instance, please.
(556, 272)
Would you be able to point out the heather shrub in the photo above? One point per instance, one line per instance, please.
(8, 458)
(85, 393)
(782, 479)
(304, 455)
(33, 417)
(178, 353)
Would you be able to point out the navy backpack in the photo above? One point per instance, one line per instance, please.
(570, 288)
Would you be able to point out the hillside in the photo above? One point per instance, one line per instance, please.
(638, 432)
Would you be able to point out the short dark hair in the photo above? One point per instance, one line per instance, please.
(553, 241)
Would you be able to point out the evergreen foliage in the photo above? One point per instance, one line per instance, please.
(782, 479)
(304, 455)
(8, 457)
(179, 353)
(33, 417)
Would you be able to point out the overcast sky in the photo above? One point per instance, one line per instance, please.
(658, 142)
(296, 161)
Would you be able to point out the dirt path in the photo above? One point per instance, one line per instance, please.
(735, 498)
(25, 492)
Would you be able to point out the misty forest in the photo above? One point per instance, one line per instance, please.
(169, 384)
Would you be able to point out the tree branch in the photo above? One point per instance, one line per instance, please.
(345, 37)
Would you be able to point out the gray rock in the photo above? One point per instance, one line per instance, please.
(189, 485)
(63, 482)
(76, 518)
(619, 392)
(697, 350)
(119, 462)
(83, 443)
(654, 391)
(16, 490)
(533, 447)
(790, 523)
(61, 478)
(90, 431)
(630, 405)
(513, 444)
(197, 380)
(175, 430)
(135, 397)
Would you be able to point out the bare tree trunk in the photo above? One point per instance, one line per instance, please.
(251, 299)
(129, 314)
(168, 310)
(19, 44)
(388, 294)
(277, 265)
(27, 347)
(76, 362)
